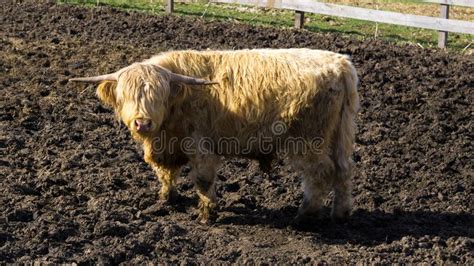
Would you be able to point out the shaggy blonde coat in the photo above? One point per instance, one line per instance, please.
(311, 94)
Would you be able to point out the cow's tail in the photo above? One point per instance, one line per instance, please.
(344, 139)
(345, 135)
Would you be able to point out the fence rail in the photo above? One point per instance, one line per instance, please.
(466, 3)
(443, 24)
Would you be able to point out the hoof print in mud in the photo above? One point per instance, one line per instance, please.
(158, 209)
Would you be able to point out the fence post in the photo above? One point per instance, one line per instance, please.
(299, 19)
(169, 6)
(443, 35)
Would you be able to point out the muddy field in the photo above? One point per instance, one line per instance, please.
(75, 189)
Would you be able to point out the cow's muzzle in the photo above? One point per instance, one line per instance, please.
(142, 125)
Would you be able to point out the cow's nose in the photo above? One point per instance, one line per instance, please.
(142, 125)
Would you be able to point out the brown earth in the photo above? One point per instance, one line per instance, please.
(75, 189)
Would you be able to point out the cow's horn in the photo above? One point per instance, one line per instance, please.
(190, 80)
(96, 79)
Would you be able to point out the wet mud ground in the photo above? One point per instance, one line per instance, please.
(74, 187)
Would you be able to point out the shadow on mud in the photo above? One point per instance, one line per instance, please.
(363, 227)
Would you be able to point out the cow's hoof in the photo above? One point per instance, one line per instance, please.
(206, 216)
(203, 220)
(300, 219)
(168, 196)
(307, 218)
(340, 216)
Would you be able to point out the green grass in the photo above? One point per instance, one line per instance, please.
(284, 19)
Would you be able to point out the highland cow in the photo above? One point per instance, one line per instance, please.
(181, 104)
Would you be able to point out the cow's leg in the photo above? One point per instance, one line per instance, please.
(166, 175)
(316, 182)
(343, 166)
(203, 176)
(342, 187)
(167, 178)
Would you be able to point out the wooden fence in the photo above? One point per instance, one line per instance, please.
(442, 24)
(444, 13)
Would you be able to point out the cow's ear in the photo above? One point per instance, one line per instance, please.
(106, 93)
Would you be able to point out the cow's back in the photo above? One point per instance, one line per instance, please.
(298, 88)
